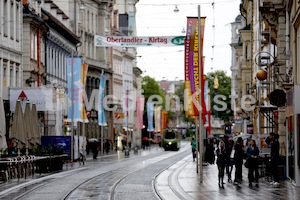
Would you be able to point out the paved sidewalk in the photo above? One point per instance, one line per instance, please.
(209, 189)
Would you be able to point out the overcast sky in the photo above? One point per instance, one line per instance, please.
(157, 18)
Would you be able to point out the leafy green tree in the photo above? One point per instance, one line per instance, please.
(224, 88)
(150, 87)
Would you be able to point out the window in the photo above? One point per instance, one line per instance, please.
(12, 20)
(11, 76)
(17, 23)
(4, 75)
(5, 18)
(17, 77)
(88, 19)
(33, 45)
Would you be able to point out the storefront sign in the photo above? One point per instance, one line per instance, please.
(42, 97)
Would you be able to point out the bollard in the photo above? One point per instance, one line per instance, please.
(126, 153)
(135, 151)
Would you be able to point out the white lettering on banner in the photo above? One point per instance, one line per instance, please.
(128, 41)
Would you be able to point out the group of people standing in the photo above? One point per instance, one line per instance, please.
(231, 154)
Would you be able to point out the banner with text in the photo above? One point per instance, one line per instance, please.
(193, 64)
(134, 41)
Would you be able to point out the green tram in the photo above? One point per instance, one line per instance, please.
(171, 139)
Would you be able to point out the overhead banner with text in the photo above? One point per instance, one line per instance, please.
(193, 68)
(134, 41)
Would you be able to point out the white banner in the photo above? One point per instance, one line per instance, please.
(134, 41)
(42, 97)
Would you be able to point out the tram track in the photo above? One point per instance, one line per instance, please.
(168, 179)
(96, 180)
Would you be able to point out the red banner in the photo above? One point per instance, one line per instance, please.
(194, 65)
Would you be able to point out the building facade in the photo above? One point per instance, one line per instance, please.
(11, 40)
(274, 71)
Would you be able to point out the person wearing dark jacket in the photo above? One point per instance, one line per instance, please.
(274, 157)
(238, 160)
(221, 162)
(229, 160)
(252, 154)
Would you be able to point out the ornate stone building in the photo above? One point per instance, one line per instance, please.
(274, 70)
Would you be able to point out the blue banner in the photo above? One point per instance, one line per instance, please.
(75, 88)
(150, 110)
(101, 114)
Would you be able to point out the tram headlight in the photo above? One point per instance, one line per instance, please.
(170, 143)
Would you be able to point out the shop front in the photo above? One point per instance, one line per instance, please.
(293, 135)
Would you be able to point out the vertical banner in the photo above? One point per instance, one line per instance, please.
(74, 88)
(193, 66)
(83, 80)
(164, 120)
(207, 105)
(150, 109)
(157, 118)
(101, 114)
(140, 101)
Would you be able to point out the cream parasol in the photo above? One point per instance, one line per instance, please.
(17, 129)
(3, 143)
(35, 125)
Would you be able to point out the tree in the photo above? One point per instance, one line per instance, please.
(224, 89)
(150, 87)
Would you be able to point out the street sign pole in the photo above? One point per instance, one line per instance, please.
(200, 97)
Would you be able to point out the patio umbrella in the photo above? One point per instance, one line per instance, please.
(35, 125)
(243, 136)
(3, 143)
(17, 128)
(28, 124)
(93, 140)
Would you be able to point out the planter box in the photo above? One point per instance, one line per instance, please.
(49, 164)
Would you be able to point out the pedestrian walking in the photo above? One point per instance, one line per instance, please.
(238, 160)
(107, 146)
(274, 144)
(210, 153)
(252, 153)
(229, 160)
(193, 144)
(95, 149)
(221, 162)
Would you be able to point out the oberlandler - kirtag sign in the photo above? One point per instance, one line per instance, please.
(163, 40)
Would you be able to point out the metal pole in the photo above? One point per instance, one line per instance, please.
(83, 139)
(200, 99)
(101, 145)
(197, 144)
(72, 108)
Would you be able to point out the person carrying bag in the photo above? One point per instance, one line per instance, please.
(252, 153)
